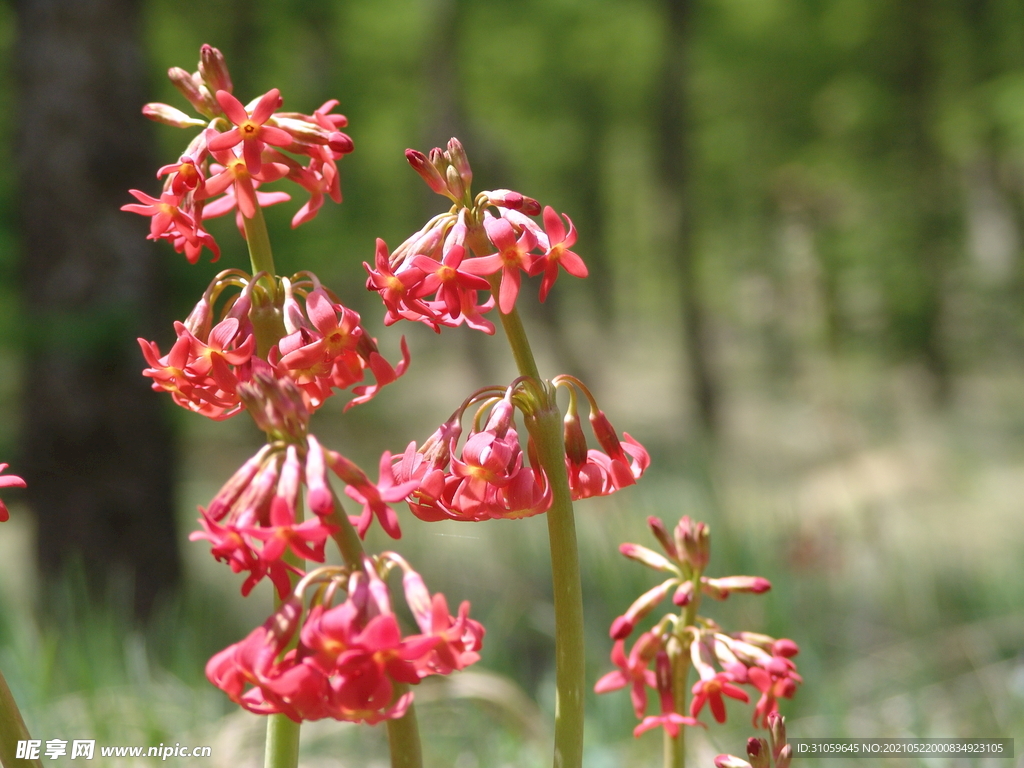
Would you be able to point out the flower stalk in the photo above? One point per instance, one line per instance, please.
(570, 674)
(12, 728)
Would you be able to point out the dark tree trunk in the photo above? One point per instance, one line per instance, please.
(933, 224)
(98, 458)
(675, 154)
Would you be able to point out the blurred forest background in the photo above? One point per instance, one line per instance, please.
(804, 221)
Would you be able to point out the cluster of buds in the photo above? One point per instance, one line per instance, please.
(351, 661)
(8, 481)
(238, 149)
(255, 519)
(489, 477)
(500, 248)
(773, 752)
(723, 661)
(324, 347)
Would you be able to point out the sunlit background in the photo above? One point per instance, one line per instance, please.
(804, 223)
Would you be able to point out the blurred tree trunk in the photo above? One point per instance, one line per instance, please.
(99, 458)
(933, 212)
(675, 155)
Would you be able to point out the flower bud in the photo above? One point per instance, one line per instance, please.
(199, 97)
(684, 594)
(661, 534)
(757, 751)
(514, 201)
(730, 761)
(456, 187)
(213, 69)
(785, 647)
(457, 157)
(693, 540)
(340, 142)
(647, 557)
(168, 115)
(320, 497)
(575, 440)
(642, 606)
(427, 171)
(784, 757)
(777, 733)
(722, 588)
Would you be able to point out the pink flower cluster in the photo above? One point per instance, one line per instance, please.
(325, 349)
(723, 661)
(490, 477)
(237, 151)
(350, 656)
(254, 520)
(8, 481)
(438, 260)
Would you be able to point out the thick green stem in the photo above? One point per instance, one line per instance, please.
(268, 325)
(282, 749)
(12, 730)
(570, 673)
(404, 736)
(258, 240)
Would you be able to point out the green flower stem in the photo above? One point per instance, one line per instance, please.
(545, 428)
(675, 748)
(282, 750)
(403, 732)
(12, 730)
(404, 736)
(258, 240)
(268, 325)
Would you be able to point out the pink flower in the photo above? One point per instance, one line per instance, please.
(669, 719)
(250, 130)
(711, 690)
(512, 257)
(632, 670)
(8, 481)
(558, 252)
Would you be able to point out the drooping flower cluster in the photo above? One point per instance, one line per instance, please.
(351, 655)
(324, 347)
(723, 661)
(452, 257)
(236, 152)
(773, 752)
(8, 481)
(492, 477)
(255, 519)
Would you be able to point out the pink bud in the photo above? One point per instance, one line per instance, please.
(757, 751)
(648, 557)
(785, 647)
(198, 97)
(661, 534)
(340, 142)
(427, 171)
(730, 761)
(457, 157)
(168, 115)
(784, 757)
(575, 440)
(684, 594)
(777, 733)
(621, 628)
(213, 69)
(456, 187)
